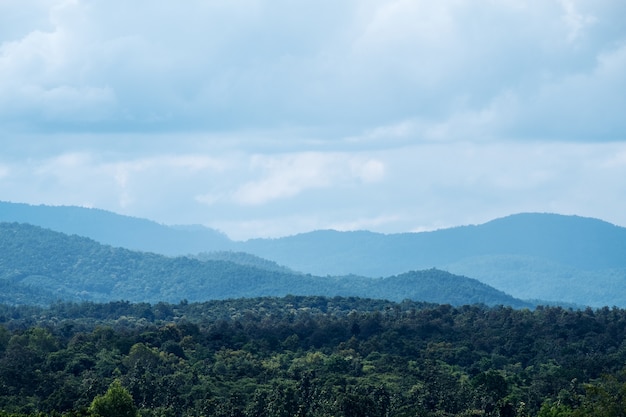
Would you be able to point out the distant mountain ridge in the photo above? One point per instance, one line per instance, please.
(530, 255)
(39, 266)
(576, 241)
(117, 230)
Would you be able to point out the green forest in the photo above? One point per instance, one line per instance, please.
(310, 356)
(39, 266)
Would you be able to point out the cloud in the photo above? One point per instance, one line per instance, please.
(434, 185)
(576, 21)
(88, 179)
(17, 21)
(414, 187)
(4, 171)
(271, 117)
(289, 175)
(580, 105)
(345, 69)
(44, 81)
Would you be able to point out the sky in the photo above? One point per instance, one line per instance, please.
(267, 118)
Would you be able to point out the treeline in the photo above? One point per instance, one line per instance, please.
(312, 356)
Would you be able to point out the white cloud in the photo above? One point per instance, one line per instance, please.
(19, 20)
(86, 179)
(575, 20)
(256, 64)
(286, 176)
(581, 105)
(415, 187)
(44, 81)
(4, 171)
(369, 171)
(400, 114)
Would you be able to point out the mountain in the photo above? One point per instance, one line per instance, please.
(243, 258)
(40, 266)
(117, 230)
(530, 255)
(569, 240)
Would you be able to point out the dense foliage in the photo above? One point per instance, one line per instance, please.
(311, 356)
(42, 266)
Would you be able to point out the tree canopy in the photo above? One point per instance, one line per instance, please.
(310, 356)
(116, 402)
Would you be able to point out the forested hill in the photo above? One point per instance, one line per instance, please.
(40, 266)
(544, 256)
(117, 230)
(569, 240)
(530, 256)
(243, 258)
(579, 242)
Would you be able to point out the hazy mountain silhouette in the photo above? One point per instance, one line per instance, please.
(117, 230)
(570, 240)
(530, 255)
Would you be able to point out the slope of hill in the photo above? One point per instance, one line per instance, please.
(242, 258)
(532, 277)
(531, 256)
(569, 240)
(76, 268)
(117, 230)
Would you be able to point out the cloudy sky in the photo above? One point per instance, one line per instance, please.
(273, 117)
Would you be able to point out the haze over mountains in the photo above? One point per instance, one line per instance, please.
(117, 230)
(530, 256)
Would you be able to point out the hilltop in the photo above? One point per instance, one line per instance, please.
(117, 230)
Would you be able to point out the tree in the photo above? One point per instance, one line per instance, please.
(605, 397)
(116, 402)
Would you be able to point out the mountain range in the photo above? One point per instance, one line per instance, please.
(40, 266)
(536, 256)
(528, 255)
(117, 230)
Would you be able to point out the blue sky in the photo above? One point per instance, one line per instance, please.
(269, 118)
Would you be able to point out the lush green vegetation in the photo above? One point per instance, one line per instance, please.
(42, 266)
(311, 356)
